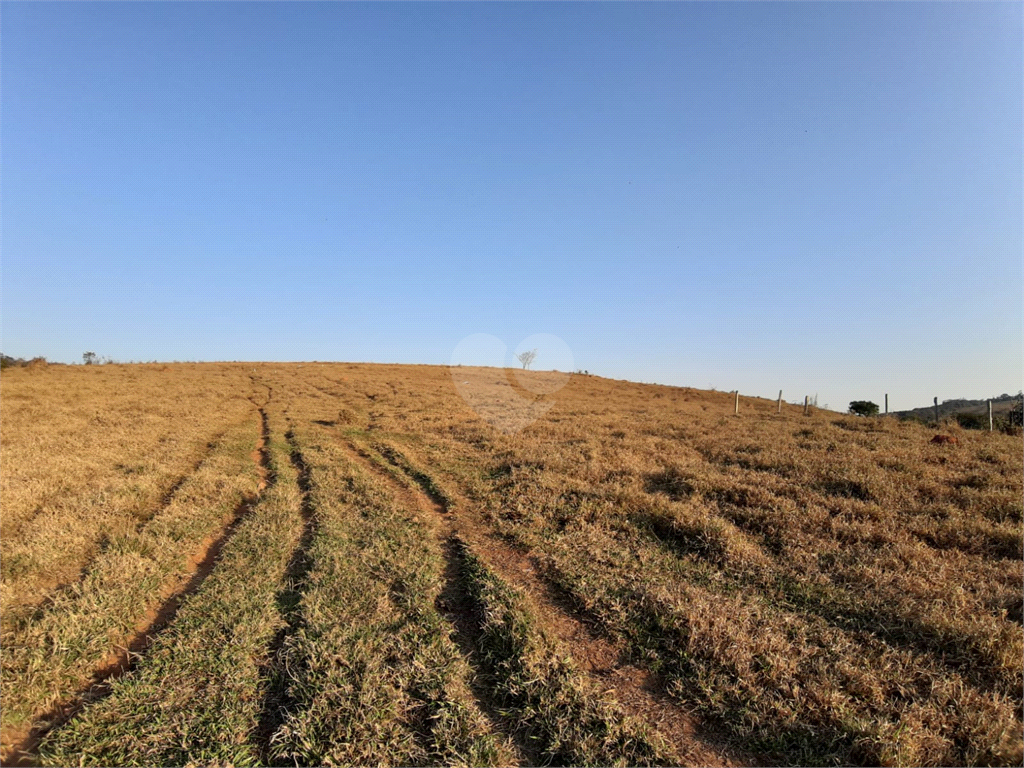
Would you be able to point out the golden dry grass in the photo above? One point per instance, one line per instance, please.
(827, 587)
(812, 589)
(90, 452)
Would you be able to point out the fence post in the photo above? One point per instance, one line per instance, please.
(806, 400)
(886, 403)
(936, 401)
(780, 401)
(989, 415)
(736, 409)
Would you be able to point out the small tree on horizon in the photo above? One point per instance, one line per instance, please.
(863, 408)
(89, 358)
(526, 358)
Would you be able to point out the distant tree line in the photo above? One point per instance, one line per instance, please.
(1007, 412)
(88, 358)
(6, 361)
(969, 414)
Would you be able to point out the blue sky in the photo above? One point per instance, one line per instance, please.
(818, 197)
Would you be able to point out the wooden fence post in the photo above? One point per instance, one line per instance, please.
(989, 415)
(736, 409)
(936, 401)
(780, 401)
(806, 400)
(886, 403)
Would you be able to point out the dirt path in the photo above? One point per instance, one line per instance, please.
(200, 564)
(639, 692)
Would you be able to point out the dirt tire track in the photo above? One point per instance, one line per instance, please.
(453, 601)
(455, 604)
(168, 495)
(276, 698)
(155, 620)
(639, 692)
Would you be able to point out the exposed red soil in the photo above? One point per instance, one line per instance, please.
(639, 692)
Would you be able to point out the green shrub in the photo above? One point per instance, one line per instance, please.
(863, 408)
(971, 421)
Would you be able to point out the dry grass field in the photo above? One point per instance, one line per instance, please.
(339, 564)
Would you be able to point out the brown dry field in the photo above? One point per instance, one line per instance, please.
(627, 574)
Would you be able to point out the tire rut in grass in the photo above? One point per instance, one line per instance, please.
(13, 530)
(457, 606)
(168, 495)
(453, 602)
(431, 512)
(426, 483)
(640, 692)
(125, 658)
(142, 521)
(261, 454)
(458, 535)
(276, 699)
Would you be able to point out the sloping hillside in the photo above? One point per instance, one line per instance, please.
(351, 564)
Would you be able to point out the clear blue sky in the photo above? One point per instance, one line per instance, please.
(817, 197)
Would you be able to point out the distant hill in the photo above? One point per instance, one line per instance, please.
(949, 408)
